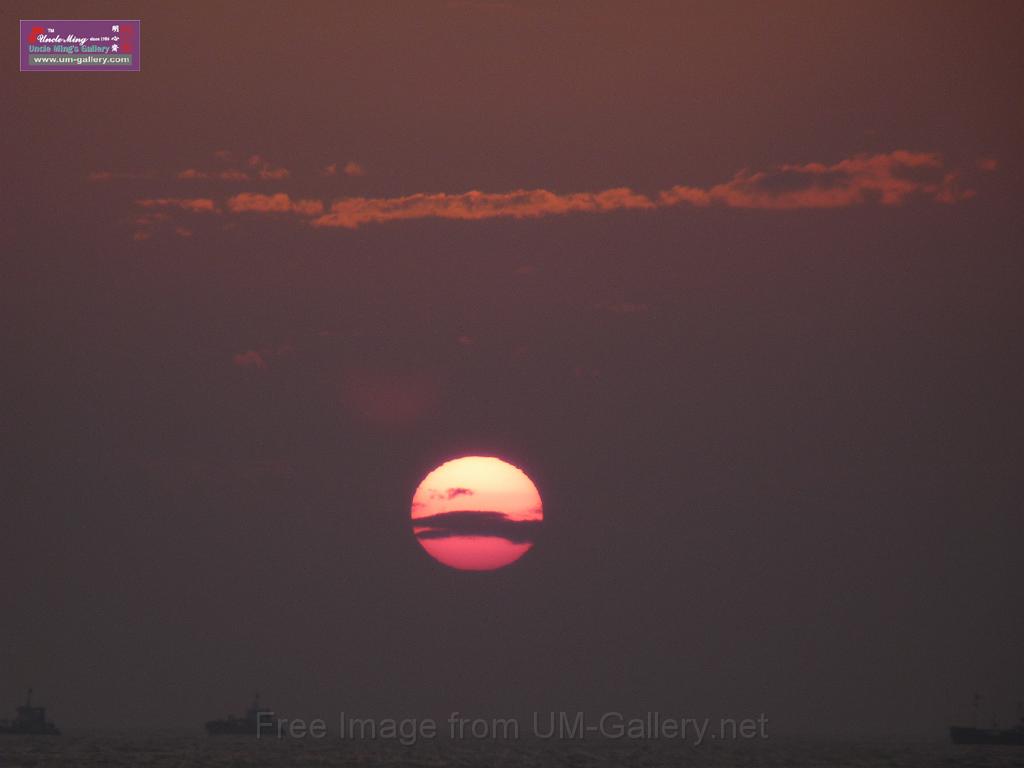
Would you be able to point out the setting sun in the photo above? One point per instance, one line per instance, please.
(476, 513)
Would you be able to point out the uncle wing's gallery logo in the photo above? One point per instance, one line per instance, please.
(80, 45)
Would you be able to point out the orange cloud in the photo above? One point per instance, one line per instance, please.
(193, 204)
(474, 205)
(248, 202)
(227, 175)
(265, 170)
(159, 210)
(888, 179)
(351, 168)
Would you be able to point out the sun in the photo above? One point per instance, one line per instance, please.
(476, 513)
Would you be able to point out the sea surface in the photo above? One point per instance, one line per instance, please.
(179, 751)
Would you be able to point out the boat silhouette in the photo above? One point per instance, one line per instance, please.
(962, 734)
(246, 725)
(30, 720)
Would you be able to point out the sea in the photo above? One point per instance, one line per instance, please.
(175, 750)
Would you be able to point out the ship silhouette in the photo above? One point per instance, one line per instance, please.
(30, 720)
(247, 725)
(962, 734)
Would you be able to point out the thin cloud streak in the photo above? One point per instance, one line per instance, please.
(267, 171)
(192, 204)
(158, 213)
(353, 212)
(247, 202)
(887, 179)
(444, 525)
(231, 174)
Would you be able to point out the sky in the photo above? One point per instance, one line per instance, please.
(738, 287)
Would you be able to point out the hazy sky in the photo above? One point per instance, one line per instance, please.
(738, 286)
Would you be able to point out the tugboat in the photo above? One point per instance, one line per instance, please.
(247, 725)
(30, 720)
(961, 734)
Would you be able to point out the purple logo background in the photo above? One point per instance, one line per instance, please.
(80, 45)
